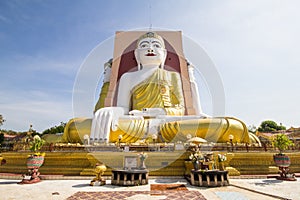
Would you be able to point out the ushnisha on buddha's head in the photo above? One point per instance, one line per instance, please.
(150, 50)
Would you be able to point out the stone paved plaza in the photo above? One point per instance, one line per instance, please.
(240, 189)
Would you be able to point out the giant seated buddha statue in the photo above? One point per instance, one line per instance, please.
(153, 100)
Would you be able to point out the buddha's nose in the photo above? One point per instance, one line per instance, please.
(150, 50)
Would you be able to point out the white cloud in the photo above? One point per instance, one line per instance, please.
(33, 107)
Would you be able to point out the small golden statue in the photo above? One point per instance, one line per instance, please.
(99, 171)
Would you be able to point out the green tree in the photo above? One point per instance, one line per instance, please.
(1, 138)
(270, 126)
(56, 129)
(2, 120)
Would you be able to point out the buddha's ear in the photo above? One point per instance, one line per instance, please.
(137, 58)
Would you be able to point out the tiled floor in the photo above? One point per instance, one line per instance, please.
(138, 195)
(157, 191)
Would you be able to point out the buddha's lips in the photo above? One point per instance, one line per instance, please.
(150, 54)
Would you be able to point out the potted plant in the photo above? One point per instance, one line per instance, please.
(34, 161)
(282, 142)
(196, 157)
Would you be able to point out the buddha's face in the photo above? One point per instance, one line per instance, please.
(150, 51)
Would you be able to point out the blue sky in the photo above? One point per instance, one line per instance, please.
(254, 45)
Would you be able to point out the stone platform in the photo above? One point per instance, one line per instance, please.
(173, 163)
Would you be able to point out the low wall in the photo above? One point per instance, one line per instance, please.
(66, 163)
(260, 162)
(158, 163)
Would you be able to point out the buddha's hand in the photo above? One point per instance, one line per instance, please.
(153, 112)
(136, 113)
(204, 116)
(108, 118)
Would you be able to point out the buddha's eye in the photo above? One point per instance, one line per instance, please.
(144, 45)
(156, 44)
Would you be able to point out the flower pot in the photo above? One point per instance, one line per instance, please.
(35, 162)
(281, 160)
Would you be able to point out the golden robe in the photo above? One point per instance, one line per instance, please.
(163, 90)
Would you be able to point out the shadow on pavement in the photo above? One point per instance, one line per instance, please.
(9, 182)
(268, 182)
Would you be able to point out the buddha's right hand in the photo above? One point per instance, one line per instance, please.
(104, 119)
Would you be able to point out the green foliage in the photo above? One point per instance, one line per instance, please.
(280, 127)
(56, 129)
(36, 144)
(270, 126)
(9, 132)
(282, 142)
(1, 138)
(2, 120)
